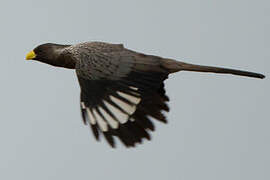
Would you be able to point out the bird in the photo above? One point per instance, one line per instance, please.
(122, 91)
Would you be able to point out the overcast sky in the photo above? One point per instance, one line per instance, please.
(218, 124)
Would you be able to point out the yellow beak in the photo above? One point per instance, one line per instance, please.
(30, 55)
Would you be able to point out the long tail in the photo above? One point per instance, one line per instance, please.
(174, 66)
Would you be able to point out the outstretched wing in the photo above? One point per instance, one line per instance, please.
(121, 91)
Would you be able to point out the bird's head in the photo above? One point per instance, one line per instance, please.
(45, 52)
(50, 54)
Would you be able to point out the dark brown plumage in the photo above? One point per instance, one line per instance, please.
(121, 90)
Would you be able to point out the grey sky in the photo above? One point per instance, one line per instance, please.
(218, 125)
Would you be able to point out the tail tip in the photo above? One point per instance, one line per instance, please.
(261, 76)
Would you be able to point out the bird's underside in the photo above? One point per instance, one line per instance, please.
(122, 91)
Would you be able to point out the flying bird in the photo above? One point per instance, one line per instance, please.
(122, 91)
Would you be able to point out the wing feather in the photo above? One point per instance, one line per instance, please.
(120, 90)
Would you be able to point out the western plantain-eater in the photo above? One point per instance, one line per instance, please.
(121, 90)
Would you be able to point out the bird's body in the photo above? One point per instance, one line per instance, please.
(121, 90)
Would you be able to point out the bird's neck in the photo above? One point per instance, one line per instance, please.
(65, 60)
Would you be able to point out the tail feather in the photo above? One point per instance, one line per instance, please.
(175, 66)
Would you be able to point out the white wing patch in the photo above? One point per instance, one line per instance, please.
(134, 88)
(91, 117)
(120, 116)
(101, 123)
(115, 116)
(133, 99)
(113, 123)
(83, 105)
(130, 109)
